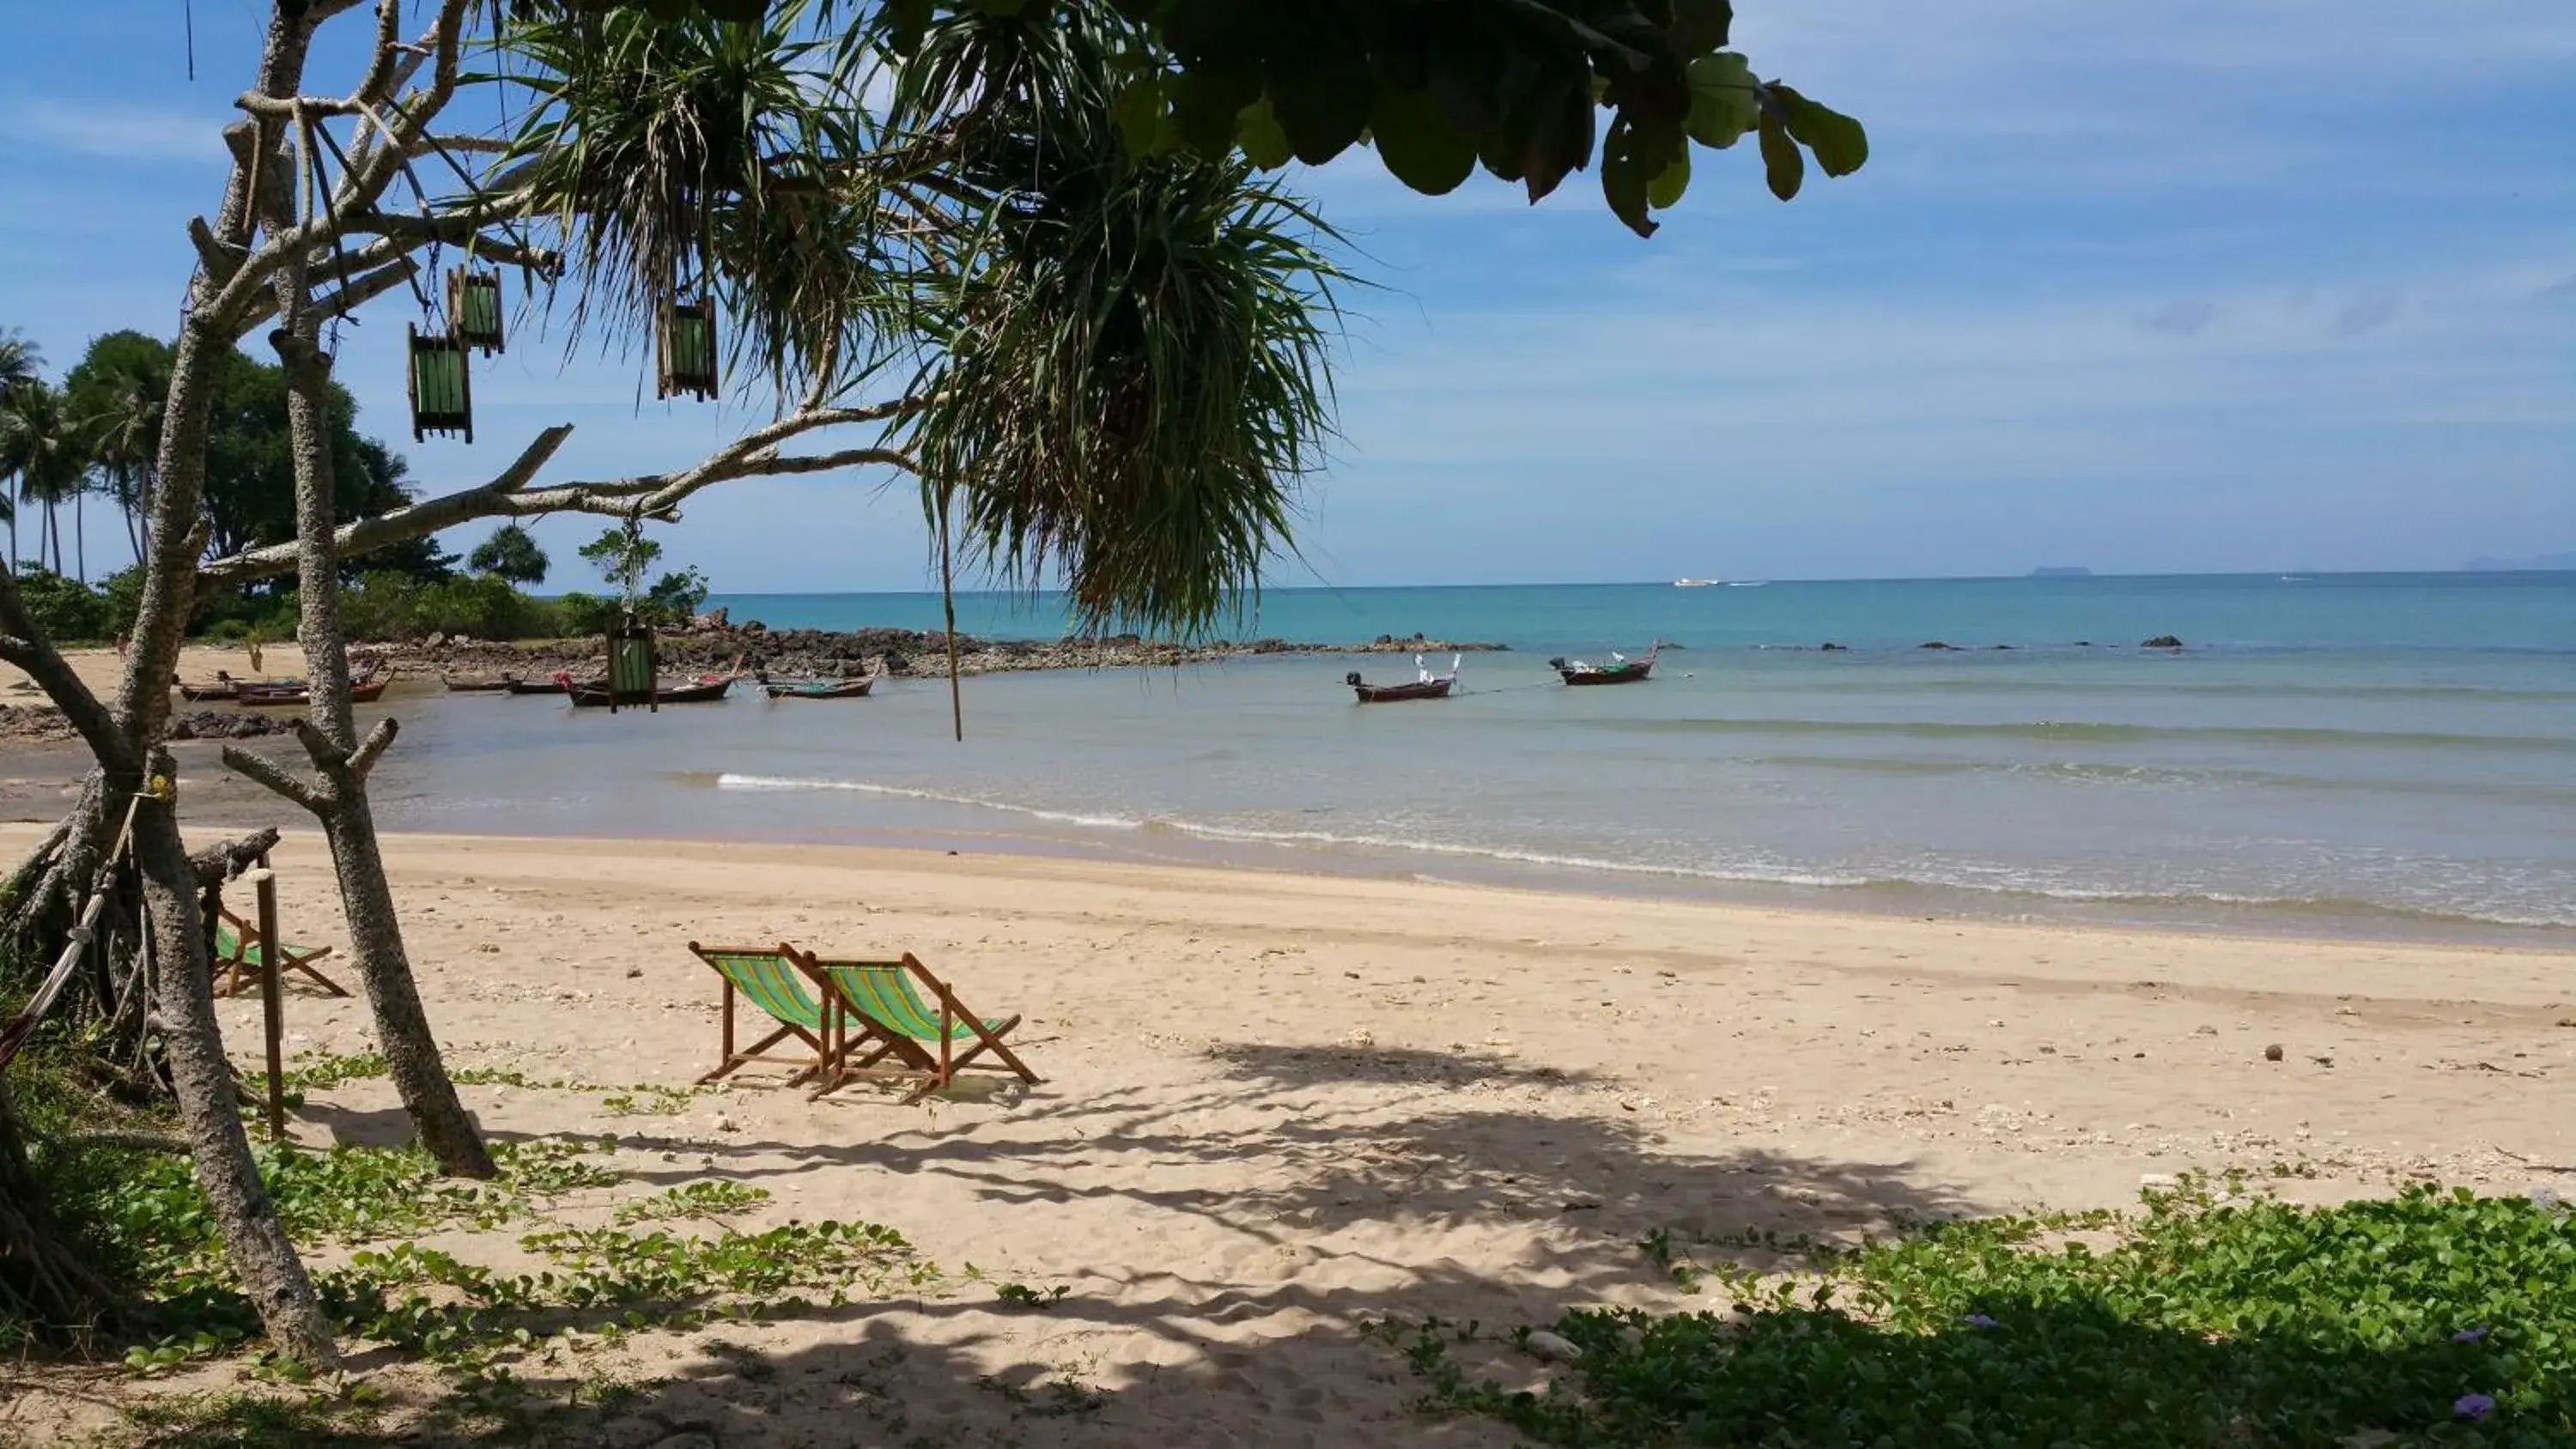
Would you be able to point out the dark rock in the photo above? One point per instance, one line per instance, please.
(2162, 641)
(1830, 647)
(2000, 646)
(1935, 644)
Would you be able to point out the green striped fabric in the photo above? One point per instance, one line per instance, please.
(772, 983)
(883, 990)
(228, 946)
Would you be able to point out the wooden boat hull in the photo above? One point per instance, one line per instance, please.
(1398, 693)
(370, 691)
(596, 696)
(535, 686)
(819, 688)
(297, 694)
(209, 693)
(1620, 674)
(500, 685)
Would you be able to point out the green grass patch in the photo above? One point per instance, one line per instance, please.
(2435, 1317)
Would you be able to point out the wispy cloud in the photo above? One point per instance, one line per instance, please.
(112, 131)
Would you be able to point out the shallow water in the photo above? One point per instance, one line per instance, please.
(2363, 755)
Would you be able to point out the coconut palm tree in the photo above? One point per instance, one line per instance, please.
(116, 402)
(43, 451)
(19, 362)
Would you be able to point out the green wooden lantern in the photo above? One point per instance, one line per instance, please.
(633, 671)
(442, 390)
(688, 349)
(474, 308)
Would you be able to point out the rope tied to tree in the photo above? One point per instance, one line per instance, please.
(14, 1037)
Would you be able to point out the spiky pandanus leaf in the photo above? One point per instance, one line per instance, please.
(1135, 377)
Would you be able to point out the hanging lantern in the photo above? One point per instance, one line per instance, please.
(474, 308)
(687, 349)
(634, 674)
(442, 394)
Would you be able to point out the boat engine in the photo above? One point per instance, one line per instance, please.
(1352, 679)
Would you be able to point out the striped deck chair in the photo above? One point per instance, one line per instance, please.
(770, 978)
(882, 1014)
(240, 956)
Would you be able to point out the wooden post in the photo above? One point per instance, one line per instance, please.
(272, 1006)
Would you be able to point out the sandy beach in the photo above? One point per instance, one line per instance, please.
(1278, 1108)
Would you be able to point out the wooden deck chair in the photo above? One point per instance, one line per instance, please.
(240, 956)
(880, 1012)
(771, 978)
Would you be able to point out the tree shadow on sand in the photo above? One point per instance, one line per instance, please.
(1461, 1189)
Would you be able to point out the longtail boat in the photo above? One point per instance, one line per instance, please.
(706, 689)
(1620, 670)
(371, 688)
(1428, 686)
(497, 684)
(819, 688)
(554, 685)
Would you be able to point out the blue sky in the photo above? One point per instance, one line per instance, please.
(2200, 286)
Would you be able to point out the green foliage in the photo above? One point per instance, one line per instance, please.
(1521, 85)
(623, 556)
(486, 606)
(693, 1200)
(585, 614)
(510, 555)
(676, 598)
(69, 611)
(1021, 1295)
(2199, 1323)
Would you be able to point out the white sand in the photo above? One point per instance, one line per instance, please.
(1277, 1108)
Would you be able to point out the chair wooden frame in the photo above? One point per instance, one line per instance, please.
(883, 1033)
(818, 1039)
(240, 970)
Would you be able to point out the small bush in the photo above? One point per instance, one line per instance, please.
(69, 611)
(585, 614)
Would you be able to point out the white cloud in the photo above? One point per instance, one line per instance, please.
(112, 131)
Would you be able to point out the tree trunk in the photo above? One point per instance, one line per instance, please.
(375, 931)
(54, 532)
(255, 1243)
(80, 533)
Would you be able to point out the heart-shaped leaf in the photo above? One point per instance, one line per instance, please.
(1264, 144)
(1783, 164)
(1723, 102)
(1417, 142)
(1840, 143)
(1324, 108)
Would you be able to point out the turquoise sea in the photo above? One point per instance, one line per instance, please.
(2367, 755)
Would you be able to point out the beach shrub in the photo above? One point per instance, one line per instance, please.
(578, 613)
(676, 598)
(69, 611)
(2437, 1317)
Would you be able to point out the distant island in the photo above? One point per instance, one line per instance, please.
(2544, 563)
(2061, 573)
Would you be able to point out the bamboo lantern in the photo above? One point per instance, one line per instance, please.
(687, 349)
(474, 308)
(442, 391)
(633, 671)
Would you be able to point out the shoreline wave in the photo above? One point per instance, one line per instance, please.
(2223, 903)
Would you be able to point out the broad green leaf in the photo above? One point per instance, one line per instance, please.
(1723, 104)
(1264, 144)
(1417, 142)
(1666, 189)
(1323, 108)
(1840, 143)
(1700, 26)
(1560, 133)
(1139, 114)
(1783, 165)
(1631, 160)
(1206, 105)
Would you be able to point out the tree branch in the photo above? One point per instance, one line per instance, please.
(273, 775)
(25, 645)
(401, 525)
(363, 759)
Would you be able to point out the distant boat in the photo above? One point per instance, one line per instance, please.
(1428, 686)
(1620, 670)
(1748, 583)
(1693, 583)
(818, 688)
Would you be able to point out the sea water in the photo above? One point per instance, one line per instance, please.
(2369, 755)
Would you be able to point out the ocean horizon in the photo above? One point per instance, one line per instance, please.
(2380, 755)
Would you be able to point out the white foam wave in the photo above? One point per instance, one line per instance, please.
(864, 787)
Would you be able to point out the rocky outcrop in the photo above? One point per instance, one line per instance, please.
(2162, 641)
(44, 724)
(897, 651)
